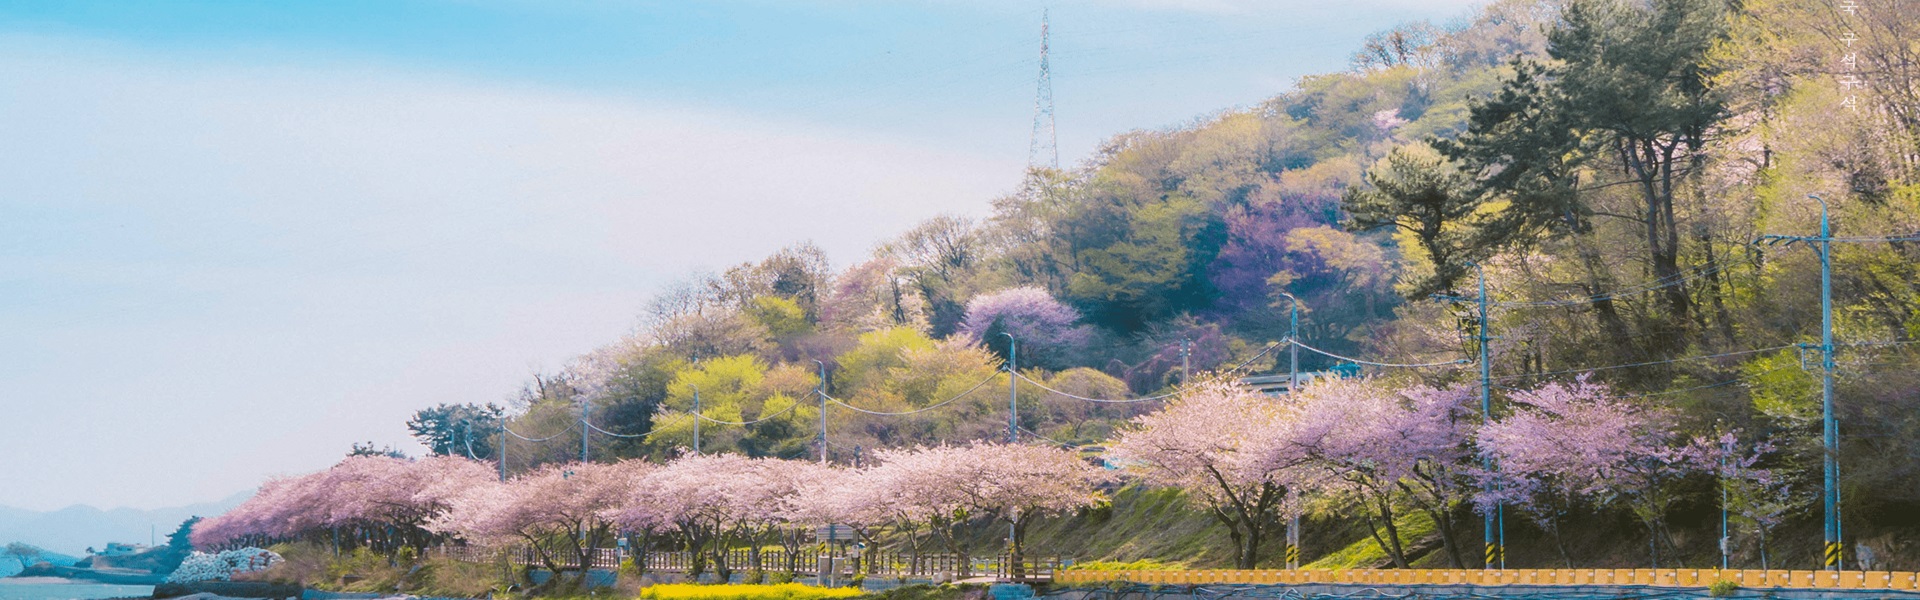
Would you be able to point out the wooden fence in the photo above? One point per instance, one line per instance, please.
(887, 565)
(1882, 580)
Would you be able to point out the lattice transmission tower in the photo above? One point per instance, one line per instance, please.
(1042, 149)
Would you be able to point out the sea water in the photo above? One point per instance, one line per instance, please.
(55, 588)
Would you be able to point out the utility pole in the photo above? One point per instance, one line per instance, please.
(1725, 543)
(696, 418)
(820, 389)
(1186, 361)
(586, 427)
(503, 449)
(1013, 394)
(1494, 526)
(1830, 428)
(1831, 435)
(1293, 384)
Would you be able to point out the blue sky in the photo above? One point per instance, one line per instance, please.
(236, 237)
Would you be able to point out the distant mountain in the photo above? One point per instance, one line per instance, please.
(73, 529)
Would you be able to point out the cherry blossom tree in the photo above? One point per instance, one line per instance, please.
(557, 510)
(1389, 448)
(774, 512)
(922, 485)
(1760, 497)
(384, 502)
(1043, 327)
(1023, 483)
(1015, 484)
(854, 498)
(1567, 442)
(1225, 446)
(710, 503)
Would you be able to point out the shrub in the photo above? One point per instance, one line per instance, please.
(1722, 588)
(201, 566)
(785, 591)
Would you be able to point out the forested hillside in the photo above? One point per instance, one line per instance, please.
(1603, 166)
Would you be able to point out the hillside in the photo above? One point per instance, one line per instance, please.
(1542, 196)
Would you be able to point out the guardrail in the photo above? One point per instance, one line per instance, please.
(1887, 580)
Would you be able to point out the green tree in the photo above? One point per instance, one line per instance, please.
(1627, 90)
(450, 429)
(179, 544)
(1427, 199)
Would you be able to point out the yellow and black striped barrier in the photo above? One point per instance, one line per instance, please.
(1877, 580)
(1833, 553)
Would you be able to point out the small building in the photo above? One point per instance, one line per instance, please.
(119, 549)
(1275, 385)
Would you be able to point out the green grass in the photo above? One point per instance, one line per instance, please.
(1145, 564)
(784, 591)
(1414, 525)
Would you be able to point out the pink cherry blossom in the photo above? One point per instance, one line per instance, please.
(1228, 448)
(1382, 448)
(1567, 443)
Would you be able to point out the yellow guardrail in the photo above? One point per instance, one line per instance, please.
(1877, 580)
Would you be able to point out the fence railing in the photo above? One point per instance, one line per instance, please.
(889, 565)
(1885, 580)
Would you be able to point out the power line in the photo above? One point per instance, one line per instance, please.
(1644, 364)
(1350, 359)
(1036, 434)
(1676, 391)
(513, 433)
(1100, 400)
(1660, 284)
(1221, 375)
(770, 417)
(591, 426)
(929, 407)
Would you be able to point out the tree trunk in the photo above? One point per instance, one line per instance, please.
(1443, 524)
(1559, 542)
(1393, 533)
(1392, 548)
(1016, 550)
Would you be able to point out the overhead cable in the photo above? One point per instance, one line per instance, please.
(513, 433)
(1379, 364)
(1644, 364)
(922, 409)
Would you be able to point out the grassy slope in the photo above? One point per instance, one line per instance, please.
(1156, 524)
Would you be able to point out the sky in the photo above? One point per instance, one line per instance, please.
(237, 237)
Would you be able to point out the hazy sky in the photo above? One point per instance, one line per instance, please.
(237, 236)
